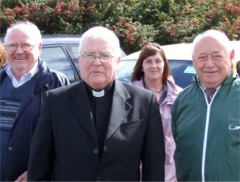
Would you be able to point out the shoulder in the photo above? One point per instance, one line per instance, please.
(138, 83)
(133, 93)
(189, 91)
(65, 89)
(133, 89)
(56, 76)
(172, 87)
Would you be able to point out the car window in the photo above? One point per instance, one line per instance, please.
(124, 70)
(57, 59)
(73, 52)
(182, 71)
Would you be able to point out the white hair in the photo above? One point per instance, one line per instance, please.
(103, 33)
(28, 27)
(221, 37)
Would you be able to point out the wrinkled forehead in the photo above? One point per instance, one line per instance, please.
(215, 38)
(94, 40)
(98, 44)
(218, 45)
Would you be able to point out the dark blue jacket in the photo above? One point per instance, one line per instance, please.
(26, 119)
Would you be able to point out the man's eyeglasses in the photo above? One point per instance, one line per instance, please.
(102, 57)
(24, 47)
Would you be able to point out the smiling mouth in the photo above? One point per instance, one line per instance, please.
(210, 72)
(20, 58)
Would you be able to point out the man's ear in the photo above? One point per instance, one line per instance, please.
(40, 48)
(232, 54)
(118, 60)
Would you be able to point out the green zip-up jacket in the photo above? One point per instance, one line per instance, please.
(207, 135)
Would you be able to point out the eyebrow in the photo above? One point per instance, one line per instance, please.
(92, 52)
(30, 43)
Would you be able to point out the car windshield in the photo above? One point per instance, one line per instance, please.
(182, 71)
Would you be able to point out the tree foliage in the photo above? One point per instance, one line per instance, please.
(135, 22)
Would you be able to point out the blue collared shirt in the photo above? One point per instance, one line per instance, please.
(24, 78)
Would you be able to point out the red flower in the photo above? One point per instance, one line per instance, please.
(46, 9)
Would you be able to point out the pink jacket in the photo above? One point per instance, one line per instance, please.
(165, 110)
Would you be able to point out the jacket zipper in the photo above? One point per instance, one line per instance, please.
(206, 133)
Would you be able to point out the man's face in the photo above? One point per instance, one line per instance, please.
(20, 60)
(212, 62)
(98, 72)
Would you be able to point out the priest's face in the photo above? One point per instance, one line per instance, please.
(98, 62)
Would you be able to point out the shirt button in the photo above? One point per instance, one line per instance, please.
(95, 151)
(10, 148)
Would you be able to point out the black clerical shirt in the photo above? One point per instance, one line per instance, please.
(101, 108)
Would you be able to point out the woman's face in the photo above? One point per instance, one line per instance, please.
(153, 67)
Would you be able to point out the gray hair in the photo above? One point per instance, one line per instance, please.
(103, 33)
(28, 27)
(216, 34)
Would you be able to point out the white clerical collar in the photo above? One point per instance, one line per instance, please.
(98, 93)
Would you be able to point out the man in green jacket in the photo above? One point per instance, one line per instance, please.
(206, 115)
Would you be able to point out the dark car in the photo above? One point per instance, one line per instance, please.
(61, 53)
(180, 60)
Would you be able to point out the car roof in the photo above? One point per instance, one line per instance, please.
(60, 39)
(236, 46)
(173, 51)
(64, 39)
(181, 51)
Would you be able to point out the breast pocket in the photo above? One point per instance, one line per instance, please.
(131, 124)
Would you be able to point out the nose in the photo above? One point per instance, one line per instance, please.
(19, 49)
(209, 62)
(153, 64)
(97, 60)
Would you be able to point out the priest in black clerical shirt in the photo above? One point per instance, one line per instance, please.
(99, 128)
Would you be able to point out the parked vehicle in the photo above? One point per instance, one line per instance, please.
(61, 53)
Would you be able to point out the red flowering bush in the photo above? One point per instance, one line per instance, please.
(135, 22)
(191, 18)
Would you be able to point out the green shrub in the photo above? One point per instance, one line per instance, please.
(134, 21)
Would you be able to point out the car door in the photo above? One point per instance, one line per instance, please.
(57, 58)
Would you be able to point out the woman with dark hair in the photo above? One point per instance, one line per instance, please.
(152, 72)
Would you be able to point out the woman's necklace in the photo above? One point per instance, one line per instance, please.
(157, 91)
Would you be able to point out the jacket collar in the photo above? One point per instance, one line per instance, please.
(43, 76)
(120, 108)
(227, 80)
(79, 101)
(172, 88)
